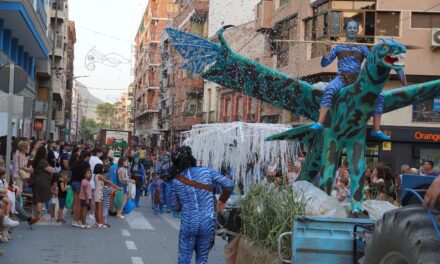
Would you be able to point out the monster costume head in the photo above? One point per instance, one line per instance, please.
(390, 55)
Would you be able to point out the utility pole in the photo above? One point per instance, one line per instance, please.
(52, 73)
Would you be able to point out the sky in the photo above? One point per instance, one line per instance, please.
(94, 19)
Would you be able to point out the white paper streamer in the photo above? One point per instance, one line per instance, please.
(237, 144)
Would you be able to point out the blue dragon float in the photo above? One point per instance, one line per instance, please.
(345, 125)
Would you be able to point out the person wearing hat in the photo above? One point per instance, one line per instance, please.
(193, 192)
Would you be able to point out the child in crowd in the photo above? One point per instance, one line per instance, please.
(344, 192)
(100, 182)
(85, 196)
(54, 199)
(107, 193)
(156, 189)
(62, 194)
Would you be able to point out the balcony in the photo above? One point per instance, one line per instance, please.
(61, 10)
(28, 24)
(41, 109)
(264, 12)
(58, 89)
(59, 118)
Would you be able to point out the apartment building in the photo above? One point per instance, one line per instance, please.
(147, 68)
(233, 106)
(222, 13)
(182, 92)
(58, 26)
(70, 53)
(407, 21)
(24, 42)
(129, 106)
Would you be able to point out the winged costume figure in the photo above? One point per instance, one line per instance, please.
(345, 125)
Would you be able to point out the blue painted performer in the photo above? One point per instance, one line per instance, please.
(163, 169)
(156, 189)
(350, 60)
(194, 191)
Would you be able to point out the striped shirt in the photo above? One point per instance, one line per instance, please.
(107, 194)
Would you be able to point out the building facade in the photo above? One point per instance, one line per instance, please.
(147, 68)
(406, 21)
(182, 92)
(24, 41)
(58, 12)
(129, 108)
(70, 53)
(222, 13)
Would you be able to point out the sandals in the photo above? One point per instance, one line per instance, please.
(86, 227)
(102, 226)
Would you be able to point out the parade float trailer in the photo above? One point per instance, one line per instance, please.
(406, 235)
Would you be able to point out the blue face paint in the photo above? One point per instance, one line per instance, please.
(351, 30)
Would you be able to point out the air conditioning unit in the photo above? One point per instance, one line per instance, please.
(435, 38)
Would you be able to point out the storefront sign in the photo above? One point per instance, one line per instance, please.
(420, 136)
(436, 104)
(386, 146)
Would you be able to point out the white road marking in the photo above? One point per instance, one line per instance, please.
(130, 245)
(137, 221)
(125, 233)
(136, 260)
(174, 222)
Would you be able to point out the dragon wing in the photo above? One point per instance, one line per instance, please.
(245, 75)
(412, 94)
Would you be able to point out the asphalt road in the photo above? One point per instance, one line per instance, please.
(141, 238)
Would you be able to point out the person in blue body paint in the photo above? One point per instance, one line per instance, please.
(163, 168)
(197, 229)
(350, 59)
(156, 188)
(138, 174)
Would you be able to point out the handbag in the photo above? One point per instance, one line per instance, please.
(24, 175)
(69, 197)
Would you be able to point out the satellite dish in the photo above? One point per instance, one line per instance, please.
(20, 78)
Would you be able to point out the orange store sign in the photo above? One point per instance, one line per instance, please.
(429, 136)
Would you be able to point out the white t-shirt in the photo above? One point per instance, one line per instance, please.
(93, 161)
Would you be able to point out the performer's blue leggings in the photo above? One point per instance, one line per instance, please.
(335, 85)
(197, 233)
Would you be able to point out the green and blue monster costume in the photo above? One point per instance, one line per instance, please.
(347, 119)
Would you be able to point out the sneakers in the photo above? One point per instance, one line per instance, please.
(379, 134)
(76, 224)
(8, 222)
(317, 127)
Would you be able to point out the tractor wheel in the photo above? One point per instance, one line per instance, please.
(404, 236)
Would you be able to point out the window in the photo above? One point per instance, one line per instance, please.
(197, 28)
(425, 20)
(240, 108)
(285, 30)
(388, 23)
(283, 2)
(426, 111)
(357, 4)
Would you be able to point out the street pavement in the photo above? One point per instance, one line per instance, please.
(141, 238)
